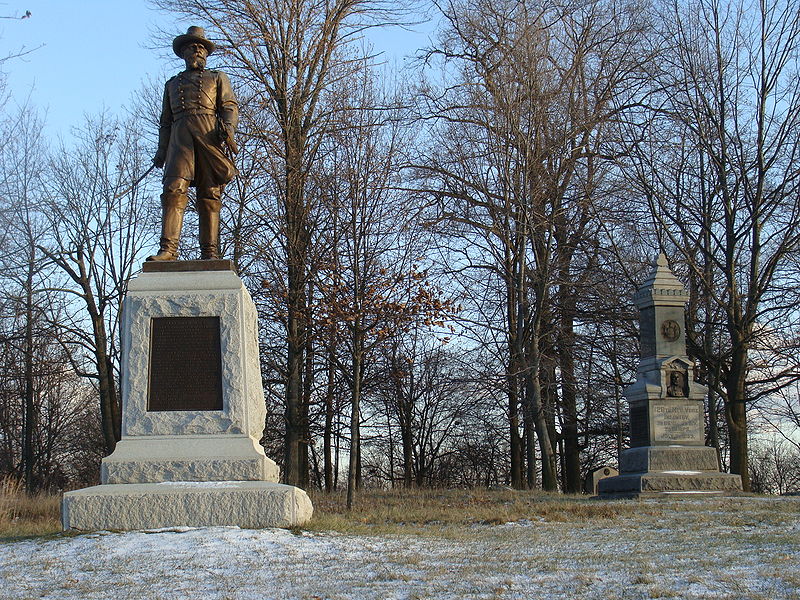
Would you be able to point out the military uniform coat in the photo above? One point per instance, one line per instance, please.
(190, 135)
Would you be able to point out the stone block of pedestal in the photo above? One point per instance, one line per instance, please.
(253, 504)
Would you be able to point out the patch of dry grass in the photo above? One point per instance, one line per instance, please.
(452, 513)
(403, 510)
(24, 516)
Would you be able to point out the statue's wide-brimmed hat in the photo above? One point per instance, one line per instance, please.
(194, 34)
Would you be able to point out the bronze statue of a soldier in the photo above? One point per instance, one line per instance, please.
(198, 120)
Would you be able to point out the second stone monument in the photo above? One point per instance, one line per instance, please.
(666, 403)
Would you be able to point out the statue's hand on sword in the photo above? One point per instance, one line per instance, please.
(226, 137)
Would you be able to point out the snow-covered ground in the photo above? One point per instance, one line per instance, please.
(743, 548)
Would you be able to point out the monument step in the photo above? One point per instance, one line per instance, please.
(153, 459)
(666, 481)
(125, 507)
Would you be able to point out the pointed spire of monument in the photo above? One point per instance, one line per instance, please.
(661, 277)
(661, 282)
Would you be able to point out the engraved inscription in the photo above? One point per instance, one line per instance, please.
(185, 364)
(677, 421)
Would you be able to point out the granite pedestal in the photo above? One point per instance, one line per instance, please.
(193, 412)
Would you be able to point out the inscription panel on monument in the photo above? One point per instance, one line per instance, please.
(677, 421)
(185, 364)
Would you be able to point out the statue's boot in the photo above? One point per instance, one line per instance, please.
(208, 215)
(173, 205)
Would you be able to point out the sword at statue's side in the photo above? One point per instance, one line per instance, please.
(134, 184)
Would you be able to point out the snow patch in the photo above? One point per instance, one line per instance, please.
(202, 484)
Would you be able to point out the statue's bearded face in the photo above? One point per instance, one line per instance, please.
(195, 55)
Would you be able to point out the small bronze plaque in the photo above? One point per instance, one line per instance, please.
(185, 364)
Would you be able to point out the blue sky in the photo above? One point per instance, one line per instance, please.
(92, 54)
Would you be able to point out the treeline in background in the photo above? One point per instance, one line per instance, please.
(442, 255)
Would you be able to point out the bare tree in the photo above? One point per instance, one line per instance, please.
(425, 388)
(47, 429)
(21, 190)
(97, 230)
(775, 466)
(526, 112)
(374, 288)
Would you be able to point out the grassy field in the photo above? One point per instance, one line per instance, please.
(404, 511)
(21, 516)
(374, 511)
(427, 511)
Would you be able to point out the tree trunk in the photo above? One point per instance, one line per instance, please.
(308, 379)
(110, 409)
(329, 414)
(404, 417)
(29, 413)
(355, 427)
(109, 406)
(513, 426)
(407, 436)
(530, 444)
(713, 424)
(736, 417)
(549, 474)
(296, 250)
(294, 361)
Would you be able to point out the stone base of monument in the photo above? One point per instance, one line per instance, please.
(251, 504)
(193, 412)
(668, 470)
(153, 459)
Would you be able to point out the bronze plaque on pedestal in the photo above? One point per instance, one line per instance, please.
(185, 364)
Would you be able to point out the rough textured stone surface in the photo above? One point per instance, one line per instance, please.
(185, 470)
(669, 458)
(198, 294)
(188, 458)
(252, 504)
(635, 484)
